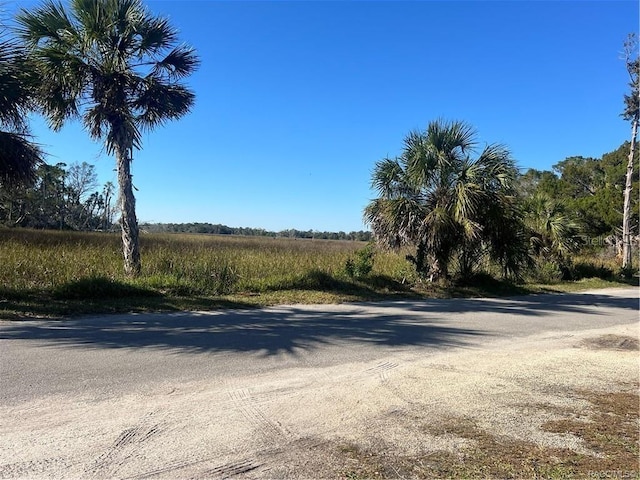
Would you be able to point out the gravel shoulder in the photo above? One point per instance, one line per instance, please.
(301, 417)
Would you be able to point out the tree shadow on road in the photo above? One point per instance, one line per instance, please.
(270, 331)
(289, 329)
(529, 305)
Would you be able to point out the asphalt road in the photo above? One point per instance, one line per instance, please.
(109, 355)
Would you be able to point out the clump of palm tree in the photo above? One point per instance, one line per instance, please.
(552, 232)
(447, 204)
(117, 67)
(19, 156)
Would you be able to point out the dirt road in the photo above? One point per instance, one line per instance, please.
(290, 392)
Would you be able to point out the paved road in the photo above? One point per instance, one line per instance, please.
(274, 393)
(109, 355)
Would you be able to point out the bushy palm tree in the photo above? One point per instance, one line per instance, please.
(552, 232)
(448, 205)
(19, 156)
(116, 66)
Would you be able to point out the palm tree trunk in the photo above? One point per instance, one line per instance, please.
(439, 269)
(128, 220)
(627, 262)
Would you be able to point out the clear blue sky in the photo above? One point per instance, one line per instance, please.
(296, 101)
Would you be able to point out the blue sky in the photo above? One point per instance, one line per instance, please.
(296, 101)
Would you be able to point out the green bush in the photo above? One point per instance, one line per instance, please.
(547, 273)
(589, 270)
(362, 264)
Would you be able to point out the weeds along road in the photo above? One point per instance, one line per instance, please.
(273, 393)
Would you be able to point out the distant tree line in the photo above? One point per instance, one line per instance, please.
(62, 197)
(218, 229)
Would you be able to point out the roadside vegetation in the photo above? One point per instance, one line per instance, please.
(54, 273)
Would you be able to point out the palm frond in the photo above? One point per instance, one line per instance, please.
(15, 93)
(420, 159)
(96, 122)
(49, 22)
(19, 158)
(387, 177)
(160, 102)
(156, 34)
(553, 232)
(451, 138)
(180, 62)
(393, 221)
(498, 167)
(467, 200)
(94, 18)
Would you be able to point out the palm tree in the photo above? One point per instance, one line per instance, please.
(116, 66)
(447, 205)
(552, 232)
(19, 156)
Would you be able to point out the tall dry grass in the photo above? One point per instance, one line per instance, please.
(184, 264)
(89, 265)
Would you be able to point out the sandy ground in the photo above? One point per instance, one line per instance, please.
(291, 424)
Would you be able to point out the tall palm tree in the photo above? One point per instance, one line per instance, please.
(19, 156)
(116, 66)
(448, 205)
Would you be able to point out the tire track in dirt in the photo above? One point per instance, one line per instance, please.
(168, 468)
(125, 447)
(270, 430)
(229, 470)
(382, 371)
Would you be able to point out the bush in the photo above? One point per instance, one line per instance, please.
(547, 273)
(589, 270)
(362, 265)
(629, 272)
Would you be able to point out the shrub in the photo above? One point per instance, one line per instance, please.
(547, 273)
(362, 265)
(589, 270)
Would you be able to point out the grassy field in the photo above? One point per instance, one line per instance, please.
(60, 273)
